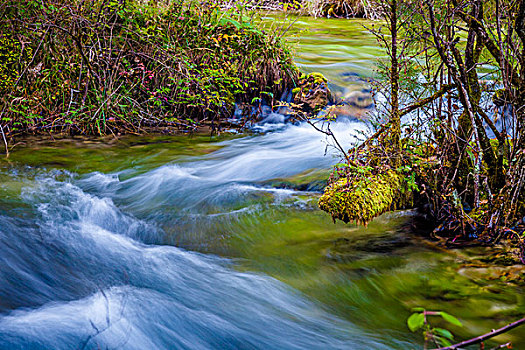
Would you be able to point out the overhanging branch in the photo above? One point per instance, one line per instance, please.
(444, 89)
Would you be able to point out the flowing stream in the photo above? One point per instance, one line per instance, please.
(198, 242)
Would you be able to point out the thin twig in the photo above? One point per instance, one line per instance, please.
(486, 336)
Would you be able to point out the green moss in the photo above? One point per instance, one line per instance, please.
(309, 81)
(362, 198)
(317, 78)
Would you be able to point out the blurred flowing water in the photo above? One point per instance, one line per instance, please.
(198, 242)
(342, 50)
(86, 260)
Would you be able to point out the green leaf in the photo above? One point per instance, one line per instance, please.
(227, 20)
(418, 309)
(450, 319)
(255, 30)
(416, 321)
(443, 341)
(444, 333)
(471, 155)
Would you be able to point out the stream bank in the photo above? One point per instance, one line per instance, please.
(128, 67)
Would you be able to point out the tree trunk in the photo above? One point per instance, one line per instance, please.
(395, 115)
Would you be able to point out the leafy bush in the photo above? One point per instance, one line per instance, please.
(97, 67)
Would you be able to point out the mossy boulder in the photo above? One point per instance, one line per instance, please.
(312, 92)
(362, 198)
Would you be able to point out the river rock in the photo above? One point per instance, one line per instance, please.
(360, 99)
(312, 93)
(353, 104)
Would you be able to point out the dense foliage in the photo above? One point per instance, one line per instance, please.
(95, 67)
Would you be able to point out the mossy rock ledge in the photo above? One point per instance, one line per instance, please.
(362, 198)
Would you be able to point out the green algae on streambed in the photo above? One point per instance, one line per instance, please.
(372, 276)
(109, 154)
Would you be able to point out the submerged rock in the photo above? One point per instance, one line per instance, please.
(354, 104)
(360, 99)
(312, 180)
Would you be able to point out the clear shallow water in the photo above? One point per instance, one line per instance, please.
(192, 242)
